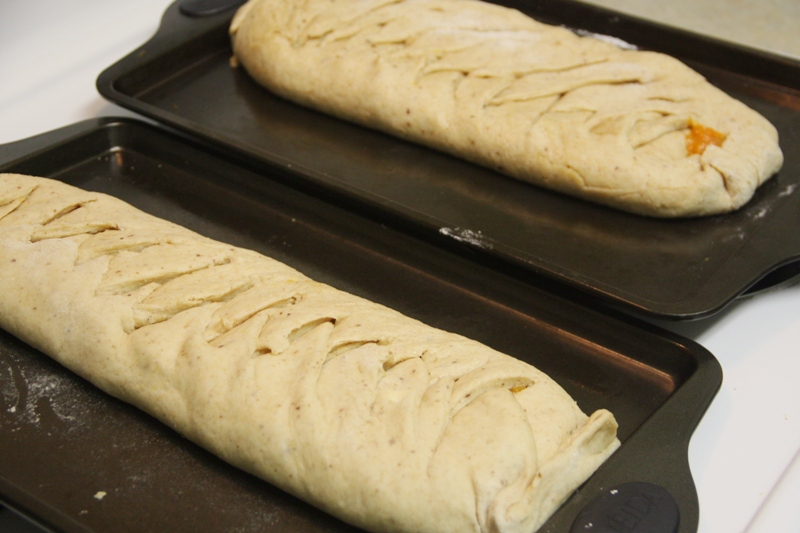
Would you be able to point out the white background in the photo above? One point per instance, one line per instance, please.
(744, 455)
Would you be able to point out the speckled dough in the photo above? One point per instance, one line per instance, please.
(572, 113)
(383, 421)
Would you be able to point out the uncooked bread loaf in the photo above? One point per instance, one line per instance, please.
(378, 419)
(635, 130)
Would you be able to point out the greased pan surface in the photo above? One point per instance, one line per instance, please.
(77, 460)
(677, 269)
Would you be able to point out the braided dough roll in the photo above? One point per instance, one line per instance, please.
(372, 416)
(639, 131)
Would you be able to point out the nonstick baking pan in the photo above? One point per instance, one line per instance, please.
(673, 269)
(76, 460)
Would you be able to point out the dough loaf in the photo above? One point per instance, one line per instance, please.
(372, 416)
(635, 130)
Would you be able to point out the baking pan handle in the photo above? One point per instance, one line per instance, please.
(16, 153)
(780, 277)
(653, 461)
(182, 22)
(205, 8)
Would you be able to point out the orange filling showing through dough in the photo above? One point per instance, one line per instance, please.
(701, 137)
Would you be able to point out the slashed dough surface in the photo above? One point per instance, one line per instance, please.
(572, 113)
(378, 419)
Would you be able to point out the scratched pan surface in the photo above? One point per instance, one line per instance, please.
(675, 269)
(77, 460)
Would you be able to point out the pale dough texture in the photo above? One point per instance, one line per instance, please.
(572, 113)
(378, 419)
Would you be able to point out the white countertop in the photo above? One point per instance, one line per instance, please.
(745, 455)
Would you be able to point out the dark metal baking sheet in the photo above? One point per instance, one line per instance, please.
(675, 269)
(77, 460)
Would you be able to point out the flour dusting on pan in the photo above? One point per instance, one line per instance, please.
(468, 236)
(28, 394)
